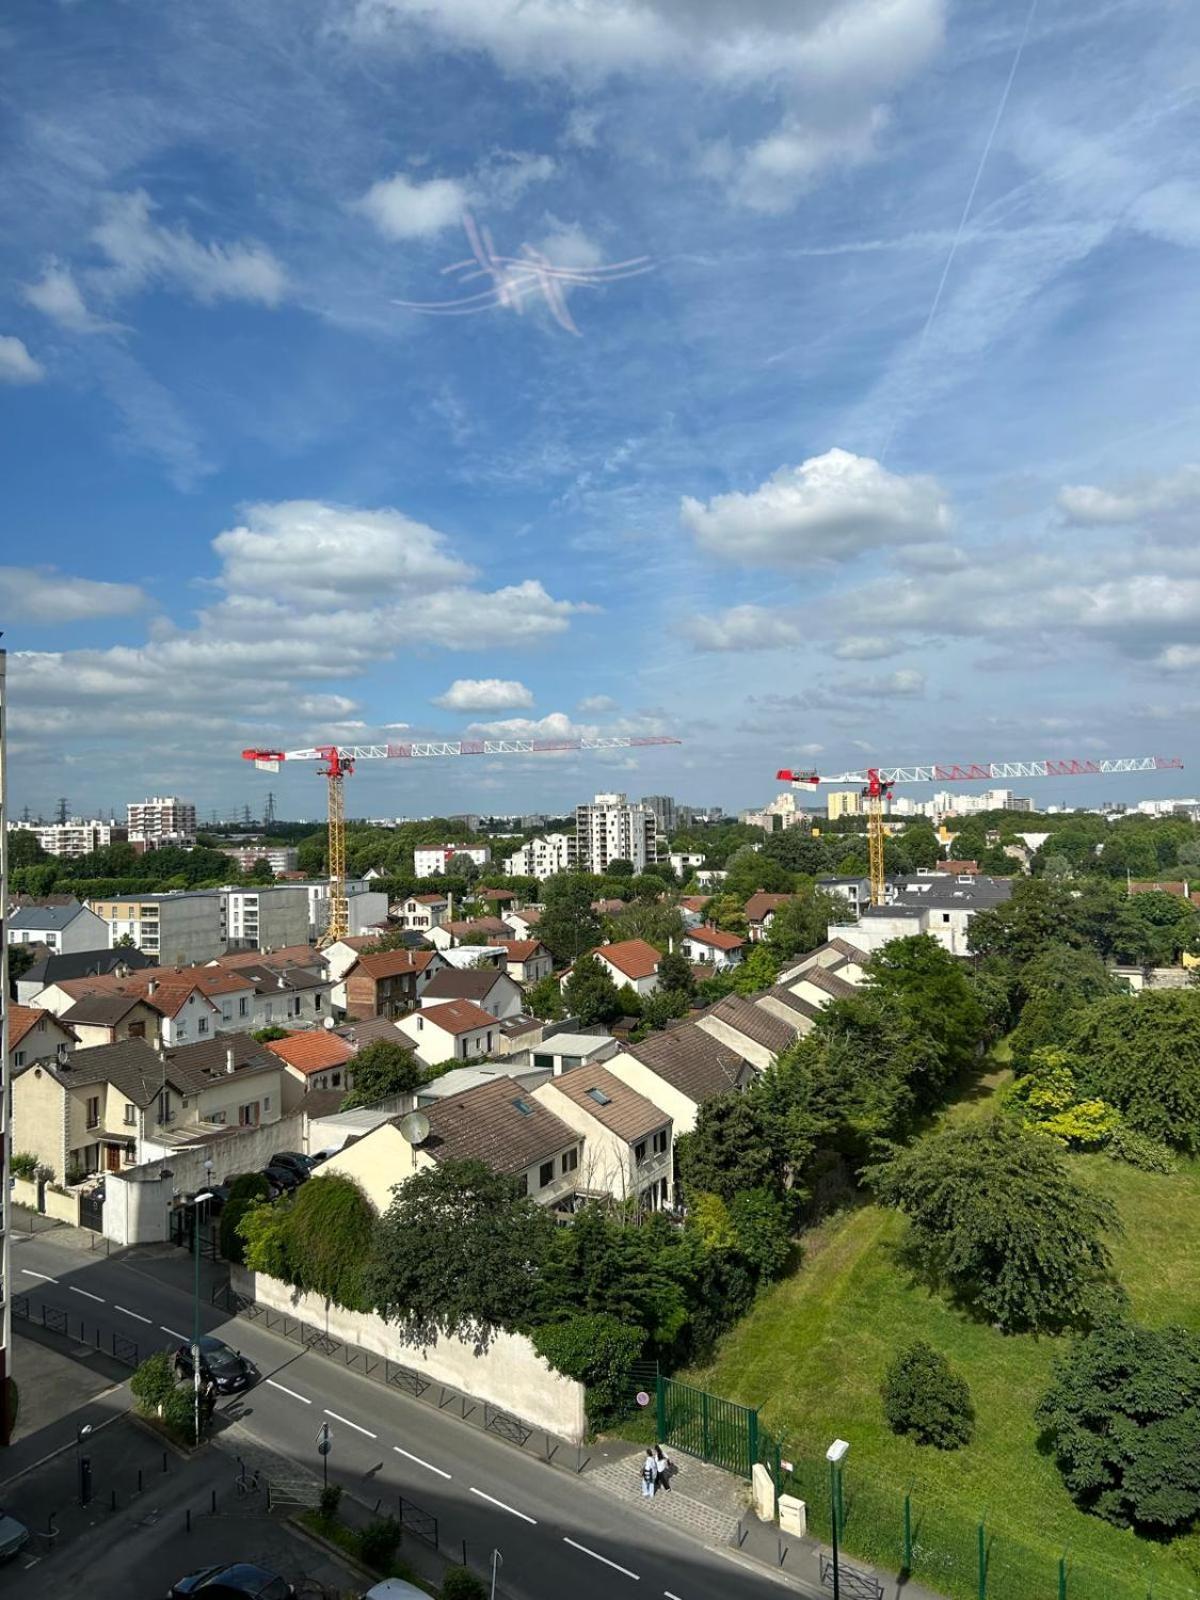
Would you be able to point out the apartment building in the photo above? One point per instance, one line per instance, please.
(280, 858)
(163, 820)
(176, 928)
(611, 829)
(432, 861)
(541, 857)
(77, 837)
(266, 918)
(666, 812)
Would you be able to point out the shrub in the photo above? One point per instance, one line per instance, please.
(331, 1499)
(153, 1383)
(1140, 1150)
(179, 1413)
(24, 1164)
(244, 1190)
(379, 1542)
(460, 1583)
(598, 1351)
(330, 1234)
(265, 1234)
(923, 1398)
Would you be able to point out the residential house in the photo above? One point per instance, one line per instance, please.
(389, 983)
(35, 1035)
(527, 960)
(463, 956)
(492, 991)
(780, 1002)
(628, 1151)
(685, 862)
(286, 995)
(499, 899)
(760, 913)
(609, 907)
(522, 924)
(496, 1123)
(631, 961)
(748, 1029)
(339, 957)
(934, 904)
(456, 1030)
(563, 1051)
(63, 929)
(691, 909)
(712, 947)
(121, 1104)
(819, 985)
(838, 955)
(99, 1019)
(959, 869)
(80, 964)
(477, 931)
(312, 1060)
(459, 1079)
(423, 912)
(679, 1069)
(365, 1030)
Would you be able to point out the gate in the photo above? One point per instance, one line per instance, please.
(91, 1210)
(703, 1425)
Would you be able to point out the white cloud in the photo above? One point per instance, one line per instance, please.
(865, 647)
(484, 694)
(1086, 505)
(57, 296)
(143, 251)
(555, 725)
(16, 364)
(832, 508)
(769, 175)
(742, 628)
(597, 704)
(507, 175)
(402, 208)
(1179, 658)
(42, 594)
(327, 705)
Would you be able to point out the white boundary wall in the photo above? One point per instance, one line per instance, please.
(509, 1374)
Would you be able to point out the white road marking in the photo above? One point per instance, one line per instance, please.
(346, 1421)
(46, 1278)
(291, 1392)
(512, 1510)
(669, 1595)
(636, 1576)
(87, 1293)
(428, 1465)
(182, 1337)
(125, 1312)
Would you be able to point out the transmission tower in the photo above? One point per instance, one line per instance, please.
(269, 809)
(62, 812)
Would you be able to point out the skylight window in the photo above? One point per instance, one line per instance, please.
(523, 1107)
(599, 1096)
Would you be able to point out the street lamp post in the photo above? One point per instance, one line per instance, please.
(835, 1455)
(497, 1563)
(197, 1201)
(84, 1488)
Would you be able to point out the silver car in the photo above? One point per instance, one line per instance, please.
(14, 1536)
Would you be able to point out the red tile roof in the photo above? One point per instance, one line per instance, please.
(762, 904)
(391, 963)
(521, 949)
(633, 958)
(480, 925)
(457, 1016)
(311, 1052)
(430, 899)
(715, 937)
(695, 902)
(22, 1018)
(959, 868)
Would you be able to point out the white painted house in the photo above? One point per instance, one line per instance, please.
(456, 1030)
(63, 929)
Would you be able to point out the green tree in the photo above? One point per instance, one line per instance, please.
(1141, 1053)
(761, 1233)
(330, 1233)
(598, 1351)
(928, 985)
(310, 854)
(757, 972)
(590, 993)
(244, 1191)
(1056, 985)
(1123, 1413)
(460, 1583)
(802, 923)
(24, 849)
(544, 999)
(264, 1232)
(260, 872)
(995, 1215)
(798, 851)
(675, 974)
(1039, 915)
(620, 868)
(922, 846)
(750, 870)
(569, 927)
(459, 1248)
(925, 1399)
(728, 1151)
(657, 924)
(152, 1383)
(382, 1069)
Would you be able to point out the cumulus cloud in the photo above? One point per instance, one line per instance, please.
(831, 507)
(43, 594)
(16, 364)
(1086, 505)
(484, 694)
(864, 647)
(403, 208)
(597, 705)
(742, 628)
(327, 705)
(555, 725)
(57, 296)
(142, 250)
(769, 175)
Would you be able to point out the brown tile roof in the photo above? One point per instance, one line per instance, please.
(609, 908)
(499, 895)
(695, 902)
(100, 1010)
(487, 1124)
(138, 1071)
(761, 904)
(313, 1051)
(295, 955)
(457, 1016)
(458, 983)
(958, 867)
(22, 1018)
(430, 899)
(717, 937)
(369, 1029)
(821, 978)
(483, 926)
(738, 1012)
(531, 915)
(622, 1110)
(1179, 889)
(633, 958)
(521, 949)
(391, 963)
(191, 1067)
(692, 1061)
(802, 1008)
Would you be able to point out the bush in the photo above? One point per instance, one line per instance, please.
(153, 1383)
(460, 1583)
(598, 1351)
(923, 1398)
(244, 1190)
(179, 1413)
(379, 1542)
(24, 1164)
(330, 1502)
(1140, 1150)
(330, 1235)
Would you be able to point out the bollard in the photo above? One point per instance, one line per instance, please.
(464, 1544)
(214, 1502)
(97, 1338)
(189, 1519)
(139, 1480)
(113, 1505)
(164, 1460)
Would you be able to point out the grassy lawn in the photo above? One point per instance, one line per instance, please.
(812, 1354)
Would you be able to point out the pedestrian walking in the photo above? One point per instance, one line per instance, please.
(649, 1475)
(664, 1467)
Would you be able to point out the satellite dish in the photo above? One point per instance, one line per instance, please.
(330, 1023)
(415, 1127)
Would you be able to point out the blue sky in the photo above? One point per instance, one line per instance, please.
(748, 492)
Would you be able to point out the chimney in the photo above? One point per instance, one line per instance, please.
(229, 1066)
(152, 986)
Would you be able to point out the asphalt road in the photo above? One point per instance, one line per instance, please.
(558, 1537)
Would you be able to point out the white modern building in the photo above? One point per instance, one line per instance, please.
(163, 820)
(280, 858)
(433, 861)
(611, 829)
(541, 857)
(77, 837)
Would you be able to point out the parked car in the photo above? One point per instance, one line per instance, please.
(395, 1589)
(241, 1581)
(14, 1536)
(323, 1155)
(229, 1369)
(282, 1177)
(293, 1160)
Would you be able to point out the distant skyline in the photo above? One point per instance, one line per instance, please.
(776, 417)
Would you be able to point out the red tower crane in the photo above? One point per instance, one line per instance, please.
(877, 784)
(339, 761)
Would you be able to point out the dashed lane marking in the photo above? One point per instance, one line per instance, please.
(512, 1510)
(347, 1423)
(125, 1312)
(428, 1465)
(284, 1390)
(87, 1294)
(636, 1576)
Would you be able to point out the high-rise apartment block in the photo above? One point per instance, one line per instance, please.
(77, 837)
(611, 829)
(541, 857)
(665, 812)
(165, 820)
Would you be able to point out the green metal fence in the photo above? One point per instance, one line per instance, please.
(708, 1427)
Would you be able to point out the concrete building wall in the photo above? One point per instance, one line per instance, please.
(749, 1049)
(658, 1091)
(39, 1119)
(377, 1163)
(506, 1372)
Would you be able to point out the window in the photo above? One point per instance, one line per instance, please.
(41, 1027)
(639, 1152)
(599, 1096)
(93, 1111)
(19, 1058)
(202, 1025)
(420, 1022)
(660, 1142)
(945, 916)
(181, 1030)
(137, 1030)
(217, 1116)
(335, 1080)
(248, 1115)
(523, 1106)
(545, 1174)
(317, 1002)
(243, 1006)
(294, 1007)
(130, 1115)
(266, 1102)
(524, 1183)
(226, 1011)
(570, 1160)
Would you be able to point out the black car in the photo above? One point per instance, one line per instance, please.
(228, 1369)
(282, 1177)
(293, 1161)
(241, 1581)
